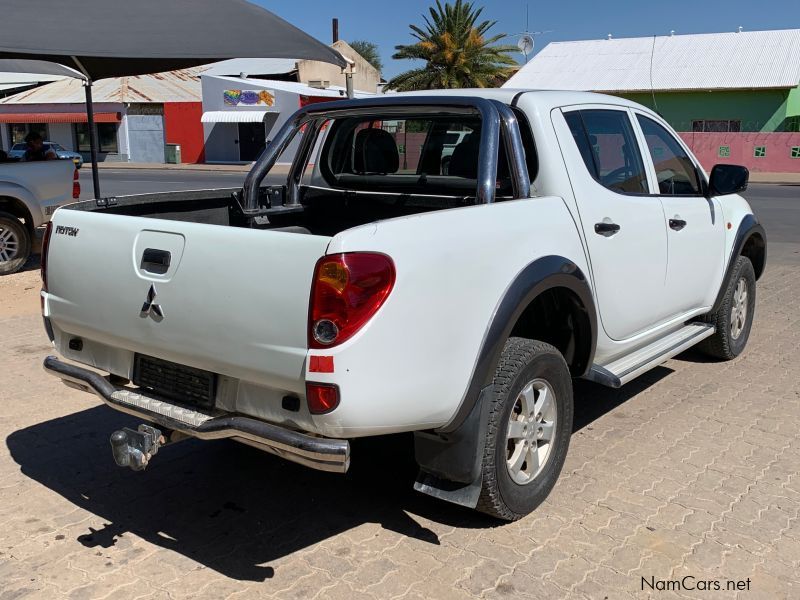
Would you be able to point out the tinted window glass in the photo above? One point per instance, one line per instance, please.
(675, 171)
(617, 162)
(579, 135)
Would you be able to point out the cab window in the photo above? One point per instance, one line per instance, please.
(675, 171)
(609, 149)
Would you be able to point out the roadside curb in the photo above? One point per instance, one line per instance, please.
(181, 167)
(776, 178)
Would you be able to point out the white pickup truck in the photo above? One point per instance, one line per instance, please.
(573, 235)
(30, 192)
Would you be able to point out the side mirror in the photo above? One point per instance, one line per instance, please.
(727, 179)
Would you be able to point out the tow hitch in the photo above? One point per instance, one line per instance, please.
(134, 449)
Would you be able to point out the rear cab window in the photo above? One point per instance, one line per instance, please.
(426, 154)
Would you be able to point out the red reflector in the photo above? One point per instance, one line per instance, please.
(320, 364)
(321, 397)
(76, 185)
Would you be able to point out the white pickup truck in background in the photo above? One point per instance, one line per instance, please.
(570, 235)
(30, 192)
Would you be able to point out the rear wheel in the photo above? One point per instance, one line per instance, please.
(15, 244)
(734, 318)
(530, 423)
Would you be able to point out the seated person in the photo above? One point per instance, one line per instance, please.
(36, 150)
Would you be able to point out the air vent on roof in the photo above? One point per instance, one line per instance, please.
(318, 83)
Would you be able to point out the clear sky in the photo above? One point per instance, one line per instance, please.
(386, 22)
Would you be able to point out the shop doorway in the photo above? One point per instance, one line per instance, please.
(252, 140)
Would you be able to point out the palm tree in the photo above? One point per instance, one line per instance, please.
(457, 52)
(368, 52)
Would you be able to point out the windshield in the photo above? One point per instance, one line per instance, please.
(18, 147)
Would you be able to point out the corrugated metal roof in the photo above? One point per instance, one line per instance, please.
(173, 86)
(252, 66)
(710, 61)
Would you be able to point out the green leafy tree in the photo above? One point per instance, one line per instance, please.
(456, 50)
(368, 52)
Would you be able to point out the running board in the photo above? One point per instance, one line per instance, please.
(632, 365)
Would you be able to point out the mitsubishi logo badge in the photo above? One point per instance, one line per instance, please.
(150, 308)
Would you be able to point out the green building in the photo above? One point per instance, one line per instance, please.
(714, 82)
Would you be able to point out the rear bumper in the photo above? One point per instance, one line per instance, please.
(319, 453)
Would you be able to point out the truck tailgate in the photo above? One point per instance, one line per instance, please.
(229, 300)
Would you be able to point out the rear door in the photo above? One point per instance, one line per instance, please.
(695, 229)
(623, 225)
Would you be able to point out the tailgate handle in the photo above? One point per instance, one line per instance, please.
(156, 261)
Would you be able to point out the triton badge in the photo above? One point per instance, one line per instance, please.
(150, 308)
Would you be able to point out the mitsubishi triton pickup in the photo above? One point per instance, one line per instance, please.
(377, 288)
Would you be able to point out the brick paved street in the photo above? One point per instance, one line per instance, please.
(690, 470)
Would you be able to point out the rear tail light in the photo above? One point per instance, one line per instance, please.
(45, 249)
(321, 397)
(348, 289)
(76, 185)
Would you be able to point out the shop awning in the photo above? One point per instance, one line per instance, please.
(61, 117)
(234, 116)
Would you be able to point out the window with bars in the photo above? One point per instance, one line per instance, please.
(717, 125)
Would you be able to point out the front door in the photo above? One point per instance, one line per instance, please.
(252, 140)
(695, 228)
(623, 225)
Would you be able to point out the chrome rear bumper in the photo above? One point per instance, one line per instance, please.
(325, 454)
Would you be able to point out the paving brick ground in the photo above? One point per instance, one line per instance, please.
(690, 470)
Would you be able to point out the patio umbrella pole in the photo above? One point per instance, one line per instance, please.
(87, 87)
(92, 137)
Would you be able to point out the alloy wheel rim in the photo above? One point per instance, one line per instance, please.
(739, 309)
(531, 431)
(9, 245)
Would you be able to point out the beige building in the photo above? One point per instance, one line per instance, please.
(308, 72)
(319, 74)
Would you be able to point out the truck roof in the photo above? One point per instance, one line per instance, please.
(543, 99)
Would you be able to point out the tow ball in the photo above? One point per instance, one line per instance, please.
(134, 449)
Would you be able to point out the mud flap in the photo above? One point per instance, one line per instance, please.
(450, 463)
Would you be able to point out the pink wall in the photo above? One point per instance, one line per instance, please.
(778, 157)
(704, 145)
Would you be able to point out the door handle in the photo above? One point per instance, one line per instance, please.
(606, 229)
(677, 224)
(156, 261)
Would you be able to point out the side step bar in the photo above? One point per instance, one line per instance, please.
(325, 454)
(632, 365)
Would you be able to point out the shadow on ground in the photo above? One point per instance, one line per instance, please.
(235, 509)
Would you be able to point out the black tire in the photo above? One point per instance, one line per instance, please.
(13, 257)
(522, 362)
(723, 344)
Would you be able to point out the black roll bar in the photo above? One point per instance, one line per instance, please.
(494, 116)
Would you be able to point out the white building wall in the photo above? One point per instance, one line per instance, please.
(221, 139)
(63, 132)
(146, 137)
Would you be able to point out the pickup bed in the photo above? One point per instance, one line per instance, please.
(377, 291)
(30, 192)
